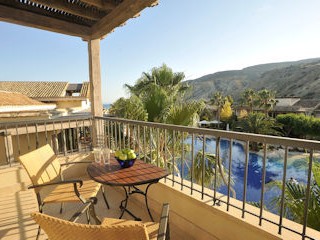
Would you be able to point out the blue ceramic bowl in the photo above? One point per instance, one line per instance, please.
(126, 163)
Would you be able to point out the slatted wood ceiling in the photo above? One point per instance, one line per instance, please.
(89, 19)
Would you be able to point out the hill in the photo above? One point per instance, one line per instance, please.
(288, 79)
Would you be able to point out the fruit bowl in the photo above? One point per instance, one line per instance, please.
(125, 157)
(126, 163)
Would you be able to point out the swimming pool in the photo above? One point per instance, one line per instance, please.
(296, 168)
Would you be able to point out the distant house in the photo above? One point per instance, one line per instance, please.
(30, 101)
(16, 106)
(69, 98)
(297, 105)
(310, 107)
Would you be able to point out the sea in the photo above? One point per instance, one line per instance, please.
(106, 105)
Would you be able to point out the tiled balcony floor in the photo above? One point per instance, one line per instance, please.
(15, 209)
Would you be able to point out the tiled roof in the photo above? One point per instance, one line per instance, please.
(17, 102)
(17, 99)
(286, 102)
(307, 103)
(85, 90)
(36, 89)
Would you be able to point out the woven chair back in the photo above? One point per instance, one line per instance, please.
(41, 165)
(58, 229)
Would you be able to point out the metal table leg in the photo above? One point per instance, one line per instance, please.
(132, 190)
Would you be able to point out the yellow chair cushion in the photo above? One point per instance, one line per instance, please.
(65, 192)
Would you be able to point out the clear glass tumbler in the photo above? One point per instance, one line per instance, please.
(106, 156)
(97, 155)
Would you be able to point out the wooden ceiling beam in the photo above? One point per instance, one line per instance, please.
(30, 19)
(118, 16)
(71, 8)
(102, 4)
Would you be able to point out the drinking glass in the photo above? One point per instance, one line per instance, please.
(106, 156)
(97, 155)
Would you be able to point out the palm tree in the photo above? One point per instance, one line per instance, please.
(131, 108)
(266, 100)
(248, 98)
(218, 100)
(259, 123)
(184, 113)
(160, 95)
(158, 90)
(211, 162)
(295, 196)
(163, 77)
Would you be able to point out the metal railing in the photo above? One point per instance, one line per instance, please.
(195, 156)
(65, 136)
(186, 152)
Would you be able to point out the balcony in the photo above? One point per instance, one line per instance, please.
(200, 192)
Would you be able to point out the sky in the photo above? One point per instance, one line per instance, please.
(194, 37)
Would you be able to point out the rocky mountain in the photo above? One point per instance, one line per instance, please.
(288, 79)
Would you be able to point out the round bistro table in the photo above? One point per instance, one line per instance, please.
(128, 178)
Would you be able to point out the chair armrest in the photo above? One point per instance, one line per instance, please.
(74, 181)
(164, 231)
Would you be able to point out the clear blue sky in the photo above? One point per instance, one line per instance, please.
(195, 37)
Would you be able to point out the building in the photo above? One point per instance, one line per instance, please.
(18, 107)
(68, 98)
(309, 107)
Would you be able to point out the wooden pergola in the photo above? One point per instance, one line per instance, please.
(90, 20)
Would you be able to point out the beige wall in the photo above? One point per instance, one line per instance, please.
(199, 219)
(69, 104)
(24, 118)
(23, 142)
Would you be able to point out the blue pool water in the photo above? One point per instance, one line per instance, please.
(296, 168)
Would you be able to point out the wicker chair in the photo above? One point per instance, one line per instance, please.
(44, 170)
(58, 229)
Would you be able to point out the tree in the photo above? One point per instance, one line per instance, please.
(295, 195)
(131, 108)
(211, 162)
(218, 100)
(160, 94)
(226, 111)
(184, 113)
(158, 90)
(266, 100)
(299, 125)
(163, 77)
(259, 123)
(248, 98)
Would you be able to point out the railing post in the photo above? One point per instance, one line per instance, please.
(8, 147)
(55, 144)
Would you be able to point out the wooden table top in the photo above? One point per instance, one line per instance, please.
(114, 175)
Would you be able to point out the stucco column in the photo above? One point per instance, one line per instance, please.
(95, 77)
(95, 85)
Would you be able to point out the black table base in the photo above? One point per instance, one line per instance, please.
(130, 190)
